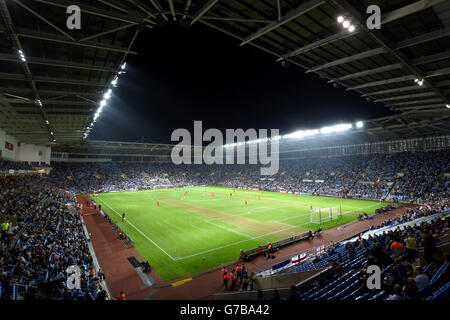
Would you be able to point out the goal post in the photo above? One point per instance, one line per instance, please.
(324, 214)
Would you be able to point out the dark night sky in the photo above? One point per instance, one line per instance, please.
(182, 75)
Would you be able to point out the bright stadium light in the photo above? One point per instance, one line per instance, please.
(340, 19)
(107, 95)
(336, 128)
(346, 24)
(301, 134)
(360, 124)
(448, 106)
(22, 56)
(351, 28)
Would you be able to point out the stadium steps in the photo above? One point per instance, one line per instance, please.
(360, 176)
(321, 184)
(394, 185)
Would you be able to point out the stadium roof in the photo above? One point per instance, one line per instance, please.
(58, 88)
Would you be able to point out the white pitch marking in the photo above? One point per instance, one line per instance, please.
(143, 234)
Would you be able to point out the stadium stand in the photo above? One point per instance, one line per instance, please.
(44, 238)
(367, 177)
(344, 264)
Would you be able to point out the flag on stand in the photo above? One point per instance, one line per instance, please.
(298, 258)
(320, 249)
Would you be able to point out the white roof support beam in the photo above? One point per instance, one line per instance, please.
(93, 10)
(409, 9)
(291, 15)
(390, 67)
(348, 59)
(389, 91)
(56, 63)
(383, 82)
(172, 10)
(415, 102)
(200, 13)
(24, 33)
(408, 96)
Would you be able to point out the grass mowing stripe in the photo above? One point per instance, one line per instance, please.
(143, 234)
(234, 231)
(238, 242)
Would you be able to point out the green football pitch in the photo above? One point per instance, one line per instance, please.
(207, 226)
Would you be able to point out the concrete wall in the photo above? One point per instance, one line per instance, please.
(281, 282)
(22, 151)
(6, 153)
(33, 153)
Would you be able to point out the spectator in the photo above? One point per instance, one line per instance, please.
(421, 279)
(397, 295)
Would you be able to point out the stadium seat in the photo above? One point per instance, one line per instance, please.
(441, 294)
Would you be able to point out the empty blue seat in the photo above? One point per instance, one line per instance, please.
(442, 294)
(379, 296)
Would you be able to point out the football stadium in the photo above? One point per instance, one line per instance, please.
(97, 204)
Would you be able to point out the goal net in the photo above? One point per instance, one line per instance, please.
(321, 215)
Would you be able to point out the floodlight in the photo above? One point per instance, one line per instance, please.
(360, 124)
(107, 94)
(340, 19)
(346, 24)
(448, 106)
(123, 66)
(351, 28)
(102, 103)
(301, 134)
(336, 128)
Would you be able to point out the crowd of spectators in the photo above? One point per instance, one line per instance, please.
(6, 165)
(420, 177)
(415, 213)
(41, 239)
(396, 252)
